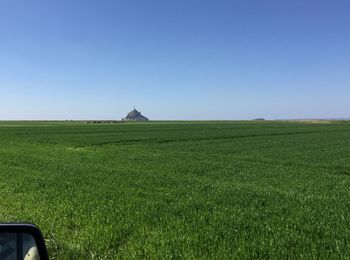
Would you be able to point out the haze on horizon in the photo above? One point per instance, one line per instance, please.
(183, 59)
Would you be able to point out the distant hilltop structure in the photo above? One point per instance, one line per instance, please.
(135, 115)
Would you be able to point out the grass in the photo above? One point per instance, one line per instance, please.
(181, 190)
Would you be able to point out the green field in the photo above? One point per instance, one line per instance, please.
(183, 190)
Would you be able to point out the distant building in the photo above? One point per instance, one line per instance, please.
(135, 115)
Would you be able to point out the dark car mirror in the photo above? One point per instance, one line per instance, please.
(21, 242)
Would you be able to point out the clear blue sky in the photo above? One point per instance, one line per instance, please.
(174, 59)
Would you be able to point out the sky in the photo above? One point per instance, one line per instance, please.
(174, 59)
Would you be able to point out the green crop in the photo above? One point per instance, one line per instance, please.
(180, 190)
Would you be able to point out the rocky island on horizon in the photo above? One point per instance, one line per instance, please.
(135, 115)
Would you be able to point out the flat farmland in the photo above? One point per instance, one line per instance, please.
(180, 190)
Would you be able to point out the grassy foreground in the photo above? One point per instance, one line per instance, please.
(180, 189)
